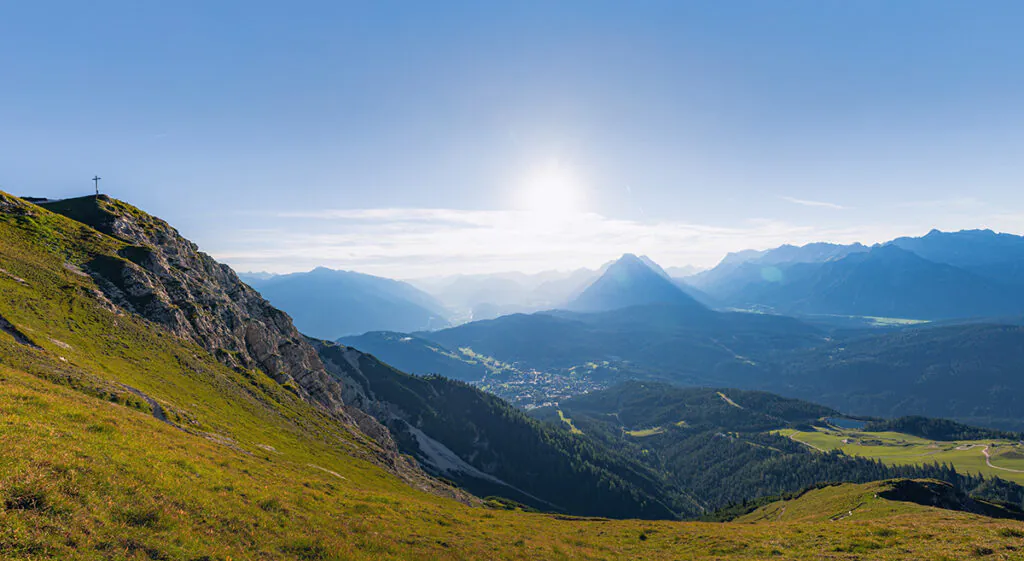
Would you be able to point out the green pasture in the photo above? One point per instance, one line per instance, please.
(1007, 457)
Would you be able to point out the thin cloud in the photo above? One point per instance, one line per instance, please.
(819, 204)
(418, 242)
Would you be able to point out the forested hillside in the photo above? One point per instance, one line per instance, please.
(970, 373)
(491, 448)
(717, 444)
(416, 355)
(681, 343)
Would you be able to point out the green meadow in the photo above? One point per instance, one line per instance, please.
(1007, 457)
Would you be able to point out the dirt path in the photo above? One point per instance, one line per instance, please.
(988, 460)
(158, 410)
(794, 439)
(781, 512)
(845, 515)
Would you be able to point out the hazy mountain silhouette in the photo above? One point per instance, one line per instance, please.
(631, 281)
(329, 304)
(886, 281)
(987, 253)
(487, 296)
(942, 275)
(736, 270)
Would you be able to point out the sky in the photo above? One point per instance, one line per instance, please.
(420, 138)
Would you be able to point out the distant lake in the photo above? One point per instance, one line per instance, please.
(845, 423)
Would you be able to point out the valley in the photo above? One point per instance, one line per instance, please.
(521, 386)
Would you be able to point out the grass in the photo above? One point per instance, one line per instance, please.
(833, 503)
(728, 400)
(149, 491)
(641, 433)
(902, 449)
(252, 472)
(568, 421)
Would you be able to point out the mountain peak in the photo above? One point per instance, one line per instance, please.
(631, 281)
(629, 258)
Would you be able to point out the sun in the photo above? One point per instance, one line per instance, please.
(551, 189)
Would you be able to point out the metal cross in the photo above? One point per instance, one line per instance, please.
(96, 180)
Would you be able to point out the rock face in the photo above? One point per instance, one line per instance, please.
(144, 267)
(164, 278)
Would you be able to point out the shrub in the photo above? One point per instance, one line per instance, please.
(25, 497)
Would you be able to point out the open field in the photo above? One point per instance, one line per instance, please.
(1006, 461)
(645, 432)
(568, 421)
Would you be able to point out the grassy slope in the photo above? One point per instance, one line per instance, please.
(87, 472)
(113, 482)
(833, 502)
(902, 449)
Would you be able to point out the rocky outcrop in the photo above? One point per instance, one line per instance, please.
(144, 267)
(14, 206)
(164, 278)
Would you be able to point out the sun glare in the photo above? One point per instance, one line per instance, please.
(553, 189)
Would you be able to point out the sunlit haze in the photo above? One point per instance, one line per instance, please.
(405, 140)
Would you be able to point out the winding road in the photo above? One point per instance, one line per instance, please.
(988, 460)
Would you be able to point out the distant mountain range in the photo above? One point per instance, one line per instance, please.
(885, 282)
(477, 297)
(634, 321)
(329, 304)
(635, 315)
(971, 274)
(967, 274)
(488, 296)
(999, 257)
(640, 325)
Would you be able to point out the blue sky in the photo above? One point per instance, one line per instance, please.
(412, 138)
